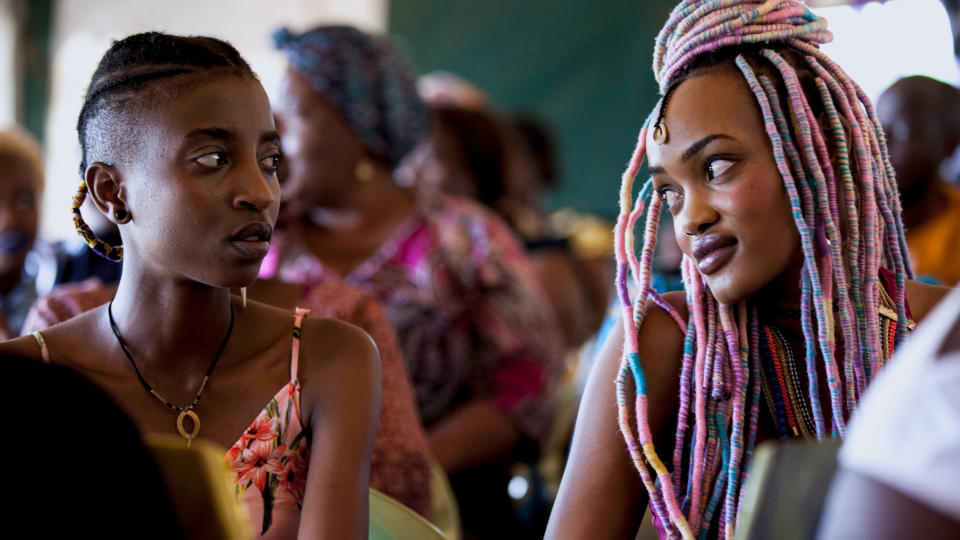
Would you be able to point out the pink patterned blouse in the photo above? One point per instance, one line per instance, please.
(472, 319)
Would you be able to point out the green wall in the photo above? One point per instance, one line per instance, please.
(583, 66)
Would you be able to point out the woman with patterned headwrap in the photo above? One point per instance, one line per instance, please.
(775, 171)
(478, 335)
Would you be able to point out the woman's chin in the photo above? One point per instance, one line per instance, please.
(237, 280)
(727, 293)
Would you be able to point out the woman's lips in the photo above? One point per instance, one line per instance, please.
(252, 250)
(713, 251)
(253, 241)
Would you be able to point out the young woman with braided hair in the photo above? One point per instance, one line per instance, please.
(775, 170)
(180, 150)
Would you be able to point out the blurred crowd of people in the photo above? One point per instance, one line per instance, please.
(414, 208)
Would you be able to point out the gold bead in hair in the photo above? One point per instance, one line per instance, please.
(660, 133)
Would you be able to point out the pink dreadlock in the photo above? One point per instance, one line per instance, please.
(847, 214)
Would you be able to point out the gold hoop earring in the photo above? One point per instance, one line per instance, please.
(243, 296)
(363, 171)
(105, 250)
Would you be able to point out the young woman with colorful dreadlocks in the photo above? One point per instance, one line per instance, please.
(775, 170)
(180, 150)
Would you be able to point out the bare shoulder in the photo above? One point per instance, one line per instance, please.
(659, 344)
(660, 337)
(338, 341)
(338, 361)
(68, 342)
(922, 297)
(658, 317)
(328, 347)
(21, 347)
(601, 495)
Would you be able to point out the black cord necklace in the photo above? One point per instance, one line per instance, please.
(184, 411)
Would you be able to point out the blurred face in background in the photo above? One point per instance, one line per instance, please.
(917, 121)
(19, 212)
(320, 150)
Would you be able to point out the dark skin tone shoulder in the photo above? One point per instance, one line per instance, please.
(200, 203)
(717, 177)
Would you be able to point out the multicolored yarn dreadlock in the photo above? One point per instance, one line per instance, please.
(847, 214)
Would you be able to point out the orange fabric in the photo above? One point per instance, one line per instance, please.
(935, 245)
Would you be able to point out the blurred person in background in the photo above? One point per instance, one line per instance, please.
(921, 119)
(477, 333)
(506, 164)
(25, 273)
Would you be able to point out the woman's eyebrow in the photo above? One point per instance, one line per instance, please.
(212, 132)
(691, 151)
(696, 147)
(270, 137)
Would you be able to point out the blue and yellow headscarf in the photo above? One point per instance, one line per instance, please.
(367, 80)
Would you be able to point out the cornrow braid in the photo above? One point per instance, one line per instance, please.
(122, 86)
(847, 212)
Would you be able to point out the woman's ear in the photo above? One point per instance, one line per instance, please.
(105, 188)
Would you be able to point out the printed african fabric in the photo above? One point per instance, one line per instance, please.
(472, 319)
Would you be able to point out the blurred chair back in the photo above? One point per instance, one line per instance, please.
(199, 485)
(784, 493)
(391, 520)
(444, 513)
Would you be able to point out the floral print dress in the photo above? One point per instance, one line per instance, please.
(269, 462)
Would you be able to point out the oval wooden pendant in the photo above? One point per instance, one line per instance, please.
(189, 436)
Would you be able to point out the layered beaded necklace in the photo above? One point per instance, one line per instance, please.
(782, 386)
(185, 412)
(783, 389)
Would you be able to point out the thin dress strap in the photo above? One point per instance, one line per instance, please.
(299, 314)
(44, 352)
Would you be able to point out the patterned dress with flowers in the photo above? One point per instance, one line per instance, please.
(270, 460)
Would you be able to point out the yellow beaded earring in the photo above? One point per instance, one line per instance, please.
(105, 250)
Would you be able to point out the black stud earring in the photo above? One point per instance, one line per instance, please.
(120, 214)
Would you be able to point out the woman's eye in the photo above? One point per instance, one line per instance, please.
(717, 167)
(670, 196)
(271, 162)
(213, 159)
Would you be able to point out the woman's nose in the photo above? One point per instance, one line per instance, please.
(257, 191)
(697, 213)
